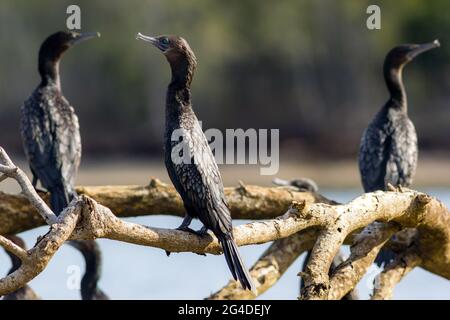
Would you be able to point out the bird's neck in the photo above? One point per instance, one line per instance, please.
(49, 70)
(179, 90)
(91, 275)
(394, 82)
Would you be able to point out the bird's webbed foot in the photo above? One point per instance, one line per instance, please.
(185, 227)
(200, 233)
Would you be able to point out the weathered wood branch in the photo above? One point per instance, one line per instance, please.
(386, 281)
(25, 292)
(364, 250)
(39, 256)
(86, 219)
(407, 208)
(246, 202)
(272, 264)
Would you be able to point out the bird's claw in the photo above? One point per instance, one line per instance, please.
(186, 229)
(201, 233)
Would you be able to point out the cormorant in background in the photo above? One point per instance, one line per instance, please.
(49, 125)
(93, 257)
(24, 293)
(388, 150)
(196, 177)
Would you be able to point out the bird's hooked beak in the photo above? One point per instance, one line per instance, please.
(84, 36)
(421, 48)
(154, 41)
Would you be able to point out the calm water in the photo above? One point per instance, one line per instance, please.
(134, 272)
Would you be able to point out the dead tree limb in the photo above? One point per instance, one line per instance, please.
(85, 219)
(364, 250)
(272, 264)
(246, 202)
(386, 281)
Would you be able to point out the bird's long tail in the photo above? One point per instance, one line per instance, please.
(59, 199)
(235, 263)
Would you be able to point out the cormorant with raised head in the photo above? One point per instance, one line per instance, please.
(24, 293)
(388, 150)
(49, 125)
(193, 170)
(93, 258)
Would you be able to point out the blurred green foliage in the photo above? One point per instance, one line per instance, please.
(308, 67)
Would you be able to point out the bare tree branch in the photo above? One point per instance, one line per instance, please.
(85, 219)
(393, 273)
(270, 266)
(364, 250)
(9, 170)
(407, 208)
(25, 292)
(38, 257)
(10, 246)
(246, 202)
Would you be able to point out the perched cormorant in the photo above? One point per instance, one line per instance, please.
(302, 184)
(93, 258)
(24, 293)
(196, 176)
(388, 150)
(49, 125)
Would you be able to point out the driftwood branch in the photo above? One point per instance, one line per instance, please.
(17, 214)
(364, 250)
(407, 208)
(323, 226)
(386, 281)
(17, 254)
(272, 264)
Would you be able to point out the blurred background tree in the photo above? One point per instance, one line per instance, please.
(308, 67)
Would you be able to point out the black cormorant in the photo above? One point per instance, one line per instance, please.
(49, 125)
(24, 293)
(93, 258)
(388, 150)
(194, 171)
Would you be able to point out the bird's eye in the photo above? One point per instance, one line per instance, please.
(165, 41)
